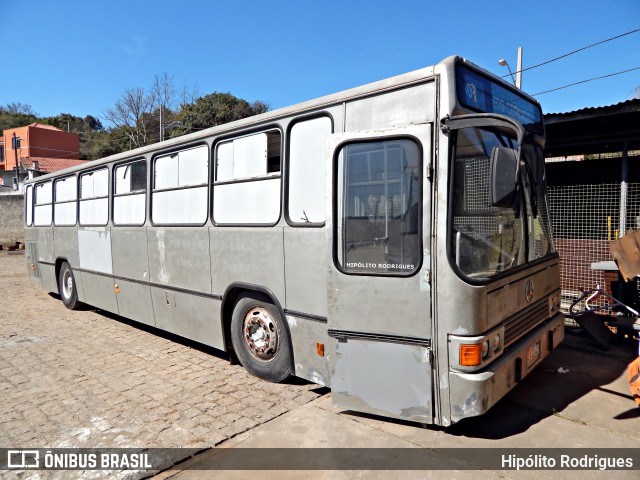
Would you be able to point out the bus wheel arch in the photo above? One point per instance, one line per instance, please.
(256, 332)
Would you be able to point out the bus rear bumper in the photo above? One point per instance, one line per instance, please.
(472, 394)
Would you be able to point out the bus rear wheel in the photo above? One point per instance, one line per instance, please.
(67, 287)
(260, 339)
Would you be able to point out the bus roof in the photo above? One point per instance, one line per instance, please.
(309, 106)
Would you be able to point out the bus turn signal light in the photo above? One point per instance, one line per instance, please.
(320, 349)
(470, 355)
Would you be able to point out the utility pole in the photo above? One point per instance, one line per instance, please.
(519, 69)
(16, 145)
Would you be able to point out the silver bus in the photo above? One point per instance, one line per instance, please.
(391, 241)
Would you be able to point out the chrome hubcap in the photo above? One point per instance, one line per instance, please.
(260, 333)
(67, 284)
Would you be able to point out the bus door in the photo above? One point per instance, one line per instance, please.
(378, 289)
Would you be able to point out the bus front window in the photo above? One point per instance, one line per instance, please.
(485, 239)
(540, 238)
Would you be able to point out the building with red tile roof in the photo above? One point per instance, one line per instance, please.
(36, 149)
(38, 140)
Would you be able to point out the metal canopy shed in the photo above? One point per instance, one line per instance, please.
(593, 172)
(594, 130)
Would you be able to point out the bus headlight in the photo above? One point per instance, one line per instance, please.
(495, 343)
(485, 349)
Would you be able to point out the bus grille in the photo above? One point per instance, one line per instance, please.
(523, 322)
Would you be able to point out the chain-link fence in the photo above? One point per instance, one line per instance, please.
(586, 218)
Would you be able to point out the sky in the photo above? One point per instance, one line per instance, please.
(79, 57)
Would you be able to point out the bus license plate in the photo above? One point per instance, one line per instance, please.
(534, 352)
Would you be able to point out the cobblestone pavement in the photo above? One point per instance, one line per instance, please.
(91, 379)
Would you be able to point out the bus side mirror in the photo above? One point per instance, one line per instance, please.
(504, 171)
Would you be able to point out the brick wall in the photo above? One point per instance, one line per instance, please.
(11, 222)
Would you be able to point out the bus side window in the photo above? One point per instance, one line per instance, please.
(247, 180)
(94, 202)
(65, 205)
(306, 185)
(248, 157)
(43, 203)
(28, 206)
(130, 193)
(179, 194)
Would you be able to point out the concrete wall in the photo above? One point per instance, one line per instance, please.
(11, 222)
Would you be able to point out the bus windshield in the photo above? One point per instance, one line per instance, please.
(486, 239)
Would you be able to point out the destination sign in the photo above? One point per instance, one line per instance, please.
(479, 93)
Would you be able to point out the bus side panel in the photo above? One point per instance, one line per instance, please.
(252, 255)
(31, 252)
(131, 261)
(305, 276)
(388, 379)
(96, 268)
(66, 244)
(408, 106)
(47, 258)
(179, 259)
(306, 271)
(308, 363)
(98, 291)
(190, 316)
(179, 256)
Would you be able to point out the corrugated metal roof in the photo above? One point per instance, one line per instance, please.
(632, 105)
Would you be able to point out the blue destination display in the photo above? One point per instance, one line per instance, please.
(479, 93)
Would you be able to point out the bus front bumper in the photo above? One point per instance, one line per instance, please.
(472, 394)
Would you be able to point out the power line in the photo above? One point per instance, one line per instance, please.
(585, 81)
(576, 51)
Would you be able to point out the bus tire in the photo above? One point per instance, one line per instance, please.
(67, 287)
(261, 339)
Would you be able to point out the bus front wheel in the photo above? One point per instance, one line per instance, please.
(67, 287)
(260, 339)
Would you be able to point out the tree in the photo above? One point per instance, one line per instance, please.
(14, 120)
(18, 108)
(16, 114)
(131, 114)
(143, 115)
(163, 91)
(107, 142)
(92, 123)
(188, 94)
(215, 109)
(65, 121)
